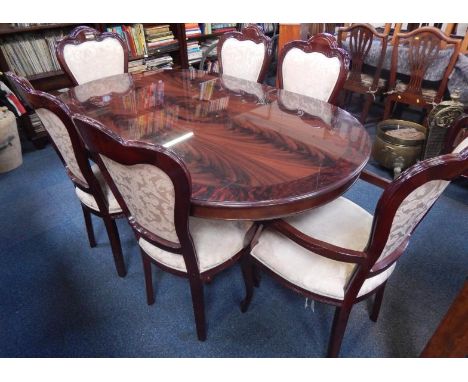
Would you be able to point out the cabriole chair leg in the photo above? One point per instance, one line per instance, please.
(198, 301)
(249, 277)
(148, 278)
(89, 227)
(377, 303)
(114, 239)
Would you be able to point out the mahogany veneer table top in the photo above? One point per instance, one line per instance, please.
(253, 151)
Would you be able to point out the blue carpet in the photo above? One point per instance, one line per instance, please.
(60, 298)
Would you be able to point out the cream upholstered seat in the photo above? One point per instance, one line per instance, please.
(341, 223)
(316, 68)
(89, 200)
(215, 241)
(87, 55)
(245, 54)
(338, 253)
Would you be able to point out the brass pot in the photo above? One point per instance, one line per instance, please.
(397, 153)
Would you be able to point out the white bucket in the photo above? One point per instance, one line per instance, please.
(10, 145)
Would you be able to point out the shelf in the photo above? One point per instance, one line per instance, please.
(6, 29)
(206, 36)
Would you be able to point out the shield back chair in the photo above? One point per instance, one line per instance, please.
(87, 54)
(360, 39)
(154, 187)
(424, 46)
(316, 68)
(246, 54)
(95, 196)
(340, 254)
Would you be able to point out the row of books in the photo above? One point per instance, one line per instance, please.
(196, 30)
(134, 37)
(32, 53)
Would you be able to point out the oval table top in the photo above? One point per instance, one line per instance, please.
(253, 152)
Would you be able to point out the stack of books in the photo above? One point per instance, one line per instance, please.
(163, 62)
(137, 66)
(160, 39)
(194, 52)
(30, 54)
(192, 30)
(223, 28)
(207, 43)
(133, 36)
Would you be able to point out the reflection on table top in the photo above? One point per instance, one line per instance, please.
(252, 151)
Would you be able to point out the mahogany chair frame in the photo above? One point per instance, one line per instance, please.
(413, 93)
(325, 44)
(361, 38)
(253, 33)
(101, 141)
(38, 99)
(446, 167)
(80, 35)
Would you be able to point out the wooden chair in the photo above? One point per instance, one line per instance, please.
(359, 38)
(153, 187)
(340, 254)
(95, 196)
(316, 68)
(424, 45)
(245, 54)
(86, 55)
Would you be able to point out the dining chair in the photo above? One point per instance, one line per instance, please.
(340, 254)
(423, 47)
(360, 39)
(245, 54)
(92, 191)
(316, 68)
(153, 186)
(87, 54)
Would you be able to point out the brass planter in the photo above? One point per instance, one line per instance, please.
(395, 152)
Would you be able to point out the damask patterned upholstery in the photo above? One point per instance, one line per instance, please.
(340, 223)
(88, 199)
(427, 93)
(59, 134)
(311, 74)
(413, 208)
(92, 60)
(368, 80)
(242, 59)
(216, 241)
(149, 195)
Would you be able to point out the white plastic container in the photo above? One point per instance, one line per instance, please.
(10, 145)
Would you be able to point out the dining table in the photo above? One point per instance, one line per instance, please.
(254, 152)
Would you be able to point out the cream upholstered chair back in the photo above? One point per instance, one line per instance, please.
(151, 184)
(59, 135)
(86, 55)
(245, 54)
(149, 195)
(409, 198)
(54, 115)
(316, 68)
